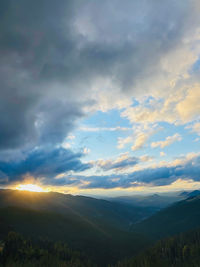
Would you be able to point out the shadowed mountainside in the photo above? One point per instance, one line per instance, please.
(179, 217)
(120, 215)
(96, 227)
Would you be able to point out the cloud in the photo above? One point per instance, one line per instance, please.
(195, 128)
(33, 92)
(86, 151)
(179, 107)
(42, 163)
(146, 158)
(66, 145)
(121, 163)
(61, 60)
(165, 173)
(140, 140)
(123, 141)
(124, 161)
(99, 129)
(189, 107)
(187, 168)
(167, 142)
(71, 137)
(141, 135)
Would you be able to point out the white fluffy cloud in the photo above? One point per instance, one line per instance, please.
(139, 138)
(196, 128)
(140, 141)
(124, 141)
(168, 141)
(189, 108)
(181, 106)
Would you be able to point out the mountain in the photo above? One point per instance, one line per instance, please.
(154, 202)
(120, 215)
(99, 228)
(194, 193)
(184, 194)
(179, 217)
(105, 231)
(187, 194)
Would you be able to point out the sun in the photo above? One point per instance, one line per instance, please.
(30, 187)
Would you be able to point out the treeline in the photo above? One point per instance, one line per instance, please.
(179, 251)
(16, 251)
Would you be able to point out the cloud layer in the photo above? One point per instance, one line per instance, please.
(55, 56)
(63, 61)
(187, 168)
(41, 163)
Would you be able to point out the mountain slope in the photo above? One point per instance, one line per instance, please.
(154, 202)
(180, 217)
(187, 194)
(120, 215)
(90, 225)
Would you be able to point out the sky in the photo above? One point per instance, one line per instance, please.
(100, 97)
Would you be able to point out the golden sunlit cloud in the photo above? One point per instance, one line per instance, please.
(31, 187)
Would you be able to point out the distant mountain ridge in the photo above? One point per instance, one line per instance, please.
(155, 201)
(188, 194)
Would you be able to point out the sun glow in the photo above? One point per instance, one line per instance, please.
(31, 187)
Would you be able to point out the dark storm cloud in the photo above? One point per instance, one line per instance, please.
(160, 176)
(42, 163)
(33, 49)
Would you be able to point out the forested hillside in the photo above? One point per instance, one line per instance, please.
(179, 251)
(17, 251)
